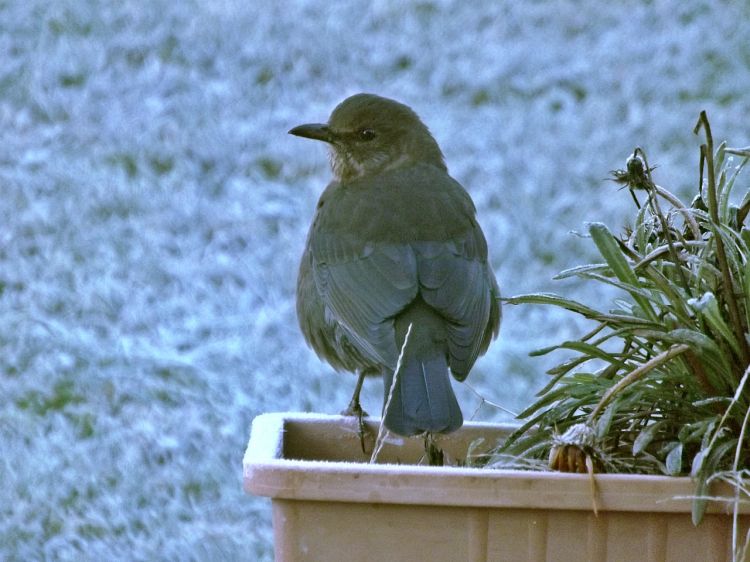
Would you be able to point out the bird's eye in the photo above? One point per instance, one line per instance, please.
(366, 134)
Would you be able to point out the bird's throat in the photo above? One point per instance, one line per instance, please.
(347, 167)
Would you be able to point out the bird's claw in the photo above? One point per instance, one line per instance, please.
(433, 454)
(355, 409)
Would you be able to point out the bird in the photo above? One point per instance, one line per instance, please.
(395, 279)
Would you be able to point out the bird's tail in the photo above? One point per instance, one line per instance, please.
(422, 398)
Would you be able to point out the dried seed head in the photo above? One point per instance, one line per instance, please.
(572, 450)
(636, 174)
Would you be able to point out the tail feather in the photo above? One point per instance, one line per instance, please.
(422, 399)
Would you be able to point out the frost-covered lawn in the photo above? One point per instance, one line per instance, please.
(153, 208)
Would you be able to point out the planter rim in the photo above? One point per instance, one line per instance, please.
(267, 473)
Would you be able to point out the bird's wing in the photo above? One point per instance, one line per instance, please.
(364, 287)
(456, 280)
(378, 242)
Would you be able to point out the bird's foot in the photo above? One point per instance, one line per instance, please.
(355, 409)
(433, 453)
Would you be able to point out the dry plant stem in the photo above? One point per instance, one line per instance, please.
(592, 485)
(635, 374)
(672, 252)
(707, 151)
(744, 152)
(484, 400)
(737, 394)
(680, 207)
(738, 482)
(661, 250)
(656, 209)
(380, 440)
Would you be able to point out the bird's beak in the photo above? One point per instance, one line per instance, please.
(315, 131)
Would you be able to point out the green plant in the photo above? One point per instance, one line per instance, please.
(660, 384)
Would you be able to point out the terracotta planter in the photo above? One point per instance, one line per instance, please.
(329, 504)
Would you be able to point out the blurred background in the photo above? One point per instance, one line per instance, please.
(153, 211)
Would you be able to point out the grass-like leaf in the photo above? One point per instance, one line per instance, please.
(670, 392)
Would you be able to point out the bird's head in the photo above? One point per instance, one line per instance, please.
(369, 134)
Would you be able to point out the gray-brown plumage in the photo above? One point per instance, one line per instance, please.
(394, 243)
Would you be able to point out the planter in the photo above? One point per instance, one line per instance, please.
(328, 504)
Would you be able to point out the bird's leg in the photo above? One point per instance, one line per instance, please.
(433, 453)
(355, 409)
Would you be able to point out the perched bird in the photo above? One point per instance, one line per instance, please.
(395, 249)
